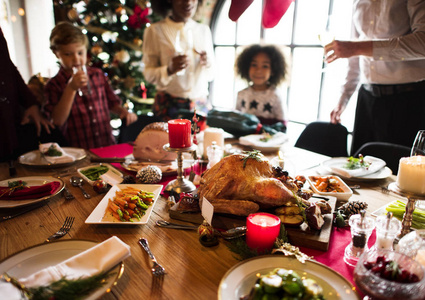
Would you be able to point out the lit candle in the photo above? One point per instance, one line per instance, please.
(262, 229)
(411, 174)
(179, 133)
(211, 135)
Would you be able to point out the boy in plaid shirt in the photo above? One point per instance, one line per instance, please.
(79, 102)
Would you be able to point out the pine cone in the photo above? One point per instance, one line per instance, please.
(352, 207)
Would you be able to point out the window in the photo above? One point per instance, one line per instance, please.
(313, 87)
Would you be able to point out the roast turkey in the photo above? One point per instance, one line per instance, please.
(240, 184)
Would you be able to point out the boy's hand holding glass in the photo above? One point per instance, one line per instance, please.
(82, 80)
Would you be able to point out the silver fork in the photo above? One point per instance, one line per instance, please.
(63, 230)
(157, 269)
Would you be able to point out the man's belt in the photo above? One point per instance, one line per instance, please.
(379, 90)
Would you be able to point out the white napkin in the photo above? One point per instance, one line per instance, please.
(101, 257)
(376, 164)
(64, 158)
(254, 140)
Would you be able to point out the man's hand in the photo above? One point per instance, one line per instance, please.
(341, 49)
(32, 114)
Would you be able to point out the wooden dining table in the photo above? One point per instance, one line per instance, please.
(193, 271)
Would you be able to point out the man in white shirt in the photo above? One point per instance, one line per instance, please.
(387, 58)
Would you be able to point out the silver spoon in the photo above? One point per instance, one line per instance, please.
(78, 181)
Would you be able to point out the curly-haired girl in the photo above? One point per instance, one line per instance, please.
(264, 68)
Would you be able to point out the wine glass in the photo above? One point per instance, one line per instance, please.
(418, 147)
(183, 44)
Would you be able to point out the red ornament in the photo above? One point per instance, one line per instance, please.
(100, 186)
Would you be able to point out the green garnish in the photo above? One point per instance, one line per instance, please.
(94, 173)
(356, 163)
(63, 288)
(254, 154)
(17, 185)
(266, 137)
(52, 151)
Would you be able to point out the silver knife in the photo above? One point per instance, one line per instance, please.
(23, 211)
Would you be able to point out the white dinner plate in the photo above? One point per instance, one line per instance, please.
(340, 161)
(273, 144)
(167, 168)
(31, 181)
(33, 259)
(34, 158)
(96, 217)
(239, 280)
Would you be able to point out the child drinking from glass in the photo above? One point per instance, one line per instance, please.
(79, 101)
(264, 68)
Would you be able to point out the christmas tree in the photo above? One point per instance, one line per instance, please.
(115, 31)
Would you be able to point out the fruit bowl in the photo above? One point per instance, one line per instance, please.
(389, 275)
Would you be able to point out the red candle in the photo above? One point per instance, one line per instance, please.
(262, 229)
(179, 133)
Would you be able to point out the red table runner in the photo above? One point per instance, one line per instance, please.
(340, 238)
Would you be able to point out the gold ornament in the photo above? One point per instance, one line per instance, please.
(119, 9)
(129, 82)
(138, 42)
(141, 3)
(87, 19)
(96, 49)
(73, 14)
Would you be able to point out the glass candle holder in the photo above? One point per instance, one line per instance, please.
(179, 133)
(361, 229)
(262, 229)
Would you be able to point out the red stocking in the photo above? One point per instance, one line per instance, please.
(237, 7)
(273, 11)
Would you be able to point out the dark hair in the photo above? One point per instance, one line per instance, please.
(164, 7)
(277, 59)
(64, 33)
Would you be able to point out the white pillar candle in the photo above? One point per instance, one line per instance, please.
(212, 134)
(411, 174)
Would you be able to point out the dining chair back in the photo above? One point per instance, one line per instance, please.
(324, 138)
(390, 153)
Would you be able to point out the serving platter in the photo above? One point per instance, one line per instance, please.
(33, 259)
(36, 160)
(97, 215)
(31, 181)
(239, 280)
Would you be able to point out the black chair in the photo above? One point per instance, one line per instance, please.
(324, 138)
(390, 153)
(129, 133)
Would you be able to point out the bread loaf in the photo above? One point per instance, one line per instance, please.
(149, 144)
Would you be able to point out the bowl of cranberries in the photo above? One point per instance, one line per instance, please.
(384, 274)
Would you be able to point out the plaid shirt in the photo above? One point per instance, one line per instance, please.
(88, 125)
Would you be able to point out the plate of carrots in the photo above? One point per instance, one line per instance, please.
(126, 204)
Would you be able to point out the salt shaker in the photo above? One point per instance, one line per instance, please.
(215, 154)
(387, 229)
(361, 229)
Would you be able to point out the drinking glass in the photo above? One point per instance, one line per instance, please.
(183, 44)
(418, 147)
(86, 90)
